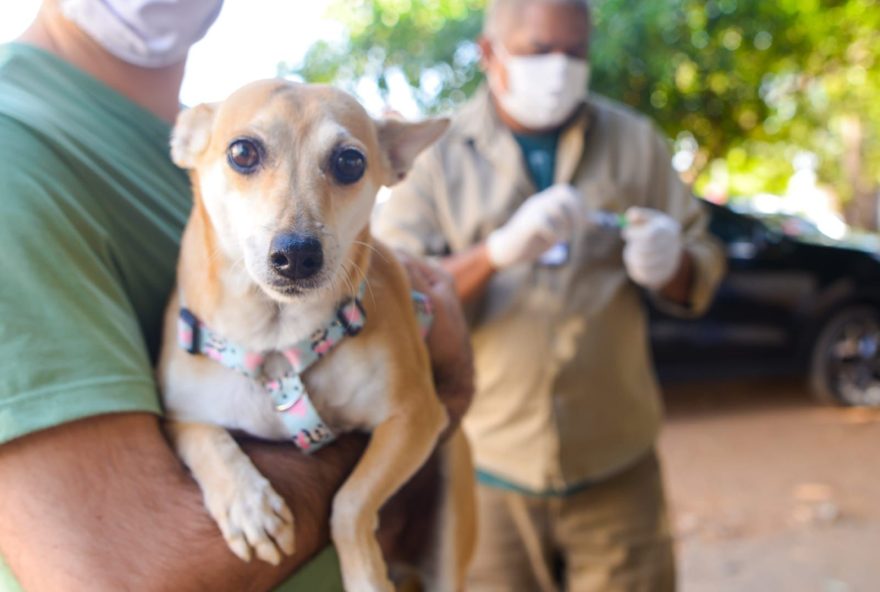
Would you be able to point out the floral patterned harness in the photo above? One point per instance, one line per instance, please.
(307, 430)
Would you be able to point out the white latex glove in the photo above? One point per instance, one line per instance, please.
(653, 247)
(543, 220)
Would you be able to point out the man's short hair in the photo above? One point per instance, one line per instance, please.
(500, 13)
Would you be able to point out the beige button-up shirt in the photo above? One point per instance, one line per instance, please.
(566, 392)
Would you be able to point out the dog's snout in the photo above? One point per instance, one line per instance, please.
(296, 256)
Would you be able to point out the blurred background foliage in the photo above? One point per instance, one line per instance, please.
(742, 87)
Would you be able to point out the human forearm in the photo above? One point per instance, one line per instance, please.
(104, 504)
(471, 271)
(679, 288)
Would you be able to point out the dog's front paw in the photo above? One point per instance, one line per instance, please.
(253, 517)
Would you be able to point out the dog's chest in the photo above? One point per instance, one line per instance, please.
(351, 387)
(348, 388)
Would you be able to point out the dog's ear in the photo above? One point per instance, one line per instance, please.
(191, 134)
(402, 141)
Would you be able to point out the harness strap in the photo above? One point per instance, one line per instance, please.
(288, 393)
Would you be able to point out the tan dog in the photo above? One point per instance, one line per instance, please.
(285, 177)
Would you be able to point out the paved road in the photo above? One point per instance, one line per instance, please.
(771, 492)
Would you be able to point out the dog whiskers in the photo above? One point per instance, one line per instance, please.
(372, 248)
(348, 284)
(364, 277)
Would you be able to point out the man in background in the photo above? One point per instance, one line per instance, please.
(555, 211)
(91, 210)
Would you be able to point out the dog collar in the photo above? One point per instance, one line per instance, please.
(288, 392)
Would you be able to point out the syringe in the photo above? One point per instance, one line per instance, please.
(596, 218)
(605, 219)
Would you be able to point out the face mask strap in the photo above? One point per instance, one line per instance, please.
(499, 50)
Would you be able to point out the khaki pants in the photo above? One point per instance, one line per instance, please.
(612, 536)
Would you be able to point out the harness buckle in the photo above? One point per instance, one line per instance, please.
(286, 391)
(188, 331)
(352, 317)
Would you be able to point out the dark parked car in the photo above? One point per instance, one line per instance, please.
(789, 304)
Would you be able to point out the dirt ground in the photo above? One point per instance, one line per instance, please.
(771, 492)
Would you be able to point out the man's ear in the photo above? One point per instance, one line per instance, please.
(191, 134)
(486, 52)
(402, 141)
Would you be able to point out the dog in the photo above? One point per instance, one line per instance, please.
(278, 271)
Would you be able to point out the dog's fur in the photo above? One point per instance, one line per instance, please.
(379, 381)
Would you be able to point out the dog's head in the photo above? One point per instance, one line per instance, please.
(288, 175)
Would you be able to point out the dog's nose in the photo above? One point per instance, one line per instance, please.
(296, 256)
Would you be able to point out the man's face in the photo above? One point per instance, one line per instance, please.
(541, 28)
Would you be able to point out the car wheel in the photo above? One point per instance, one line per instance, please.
(845, 365)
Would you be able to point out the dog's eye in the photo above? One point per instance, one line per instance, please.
(348, 165)
(243, 156)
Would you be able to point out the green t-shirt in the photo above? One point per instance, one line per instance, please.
(91, 212)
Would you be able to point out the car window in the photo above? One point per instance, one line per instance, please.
(731, 227)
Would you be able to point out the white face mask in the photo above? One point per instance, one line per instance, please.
(147, 33)
(542, 90)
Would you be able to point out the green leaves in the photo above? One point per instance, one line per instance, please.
(752, 81)
(431, 42)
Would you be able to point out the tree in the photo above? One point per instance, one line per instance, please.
(430, 42)
(751, 82)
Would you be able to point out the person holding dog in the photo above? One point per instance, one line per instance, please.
(555, 211)
(91, 209)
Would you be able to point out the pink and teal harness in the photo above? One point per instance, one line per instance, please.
(288, 393)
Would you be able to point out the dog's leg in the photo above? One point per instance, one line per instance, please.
(398, 447)
(445, 569)
(240, 499)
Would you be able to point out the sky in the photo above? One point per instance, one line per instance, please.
(248, 41)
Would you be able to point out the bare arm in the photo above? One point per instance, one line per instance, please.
(103, 504)
(679, 288)
(471, 271)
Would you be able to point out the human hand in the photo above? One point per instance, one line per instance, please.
(543, 220)
(448, 341)
(653, 248)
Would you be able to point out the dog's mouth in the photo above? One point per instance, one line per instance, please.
(293, 288)
(290, 291)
